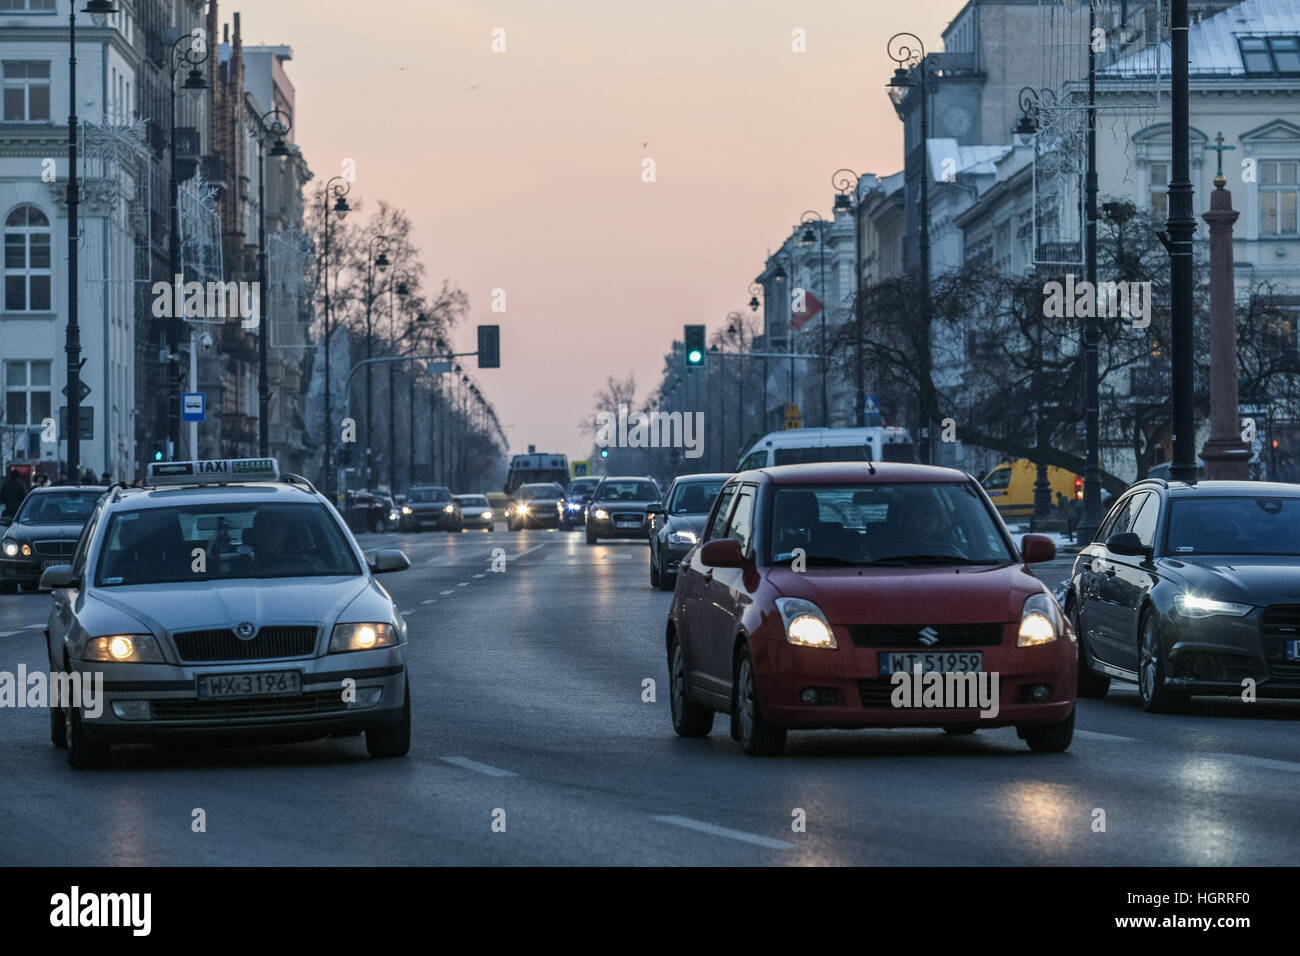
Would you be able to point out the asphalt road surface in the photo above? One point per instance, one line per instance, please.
(531, 744)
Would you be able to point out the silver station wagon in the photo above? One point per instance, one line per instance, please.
(223, 603)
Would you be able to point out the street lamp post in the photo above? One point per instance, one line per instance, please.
(99, 11)
(1180, 228)
(845, 181)
(779, 275)
(399, 284)
(909, 57)
(754, 290)
(374, 260)
(195, 54)
(806, 240)
(339, 186)
(279, 127)
(736, 327)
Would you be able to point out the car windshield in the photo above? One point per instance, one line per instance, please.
(222, 542)
(424, 496)
(472, 501)
(694, 497)
(630, 490)
(529, 492)
(1250, 524)
(58, 507)
(583, 487)
(898, 525)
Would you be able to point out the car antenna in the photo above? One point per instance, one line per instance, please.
(871, 469)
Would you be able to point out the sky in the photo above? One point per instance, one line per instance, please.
(522, 170)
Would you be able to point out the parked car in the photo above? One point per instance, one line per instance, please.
(1011, 487)
(364, 511)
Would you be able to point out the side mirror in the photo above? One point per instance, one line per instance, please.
(59, 576)
(1127, 543)
(385, 560)
(722, 553)
(1037, 548)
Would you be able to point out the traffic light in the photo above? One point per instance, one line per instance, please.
(604, 453)
(695, 351)
(489, 346)
(159, 450)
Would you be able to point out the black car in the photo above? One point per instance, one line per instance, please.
(1191, 589)
(44, 533)
(679, 524)
(573, 506)
(365, 511)
(534, 505)
(618, 507)
(428, 506)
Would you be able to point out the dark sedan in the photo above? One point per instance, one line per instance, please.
(573, 506)
(428, 506)
(679, 524)
(1192, 589)
(618, 508)
(534, 506)
(44, 533)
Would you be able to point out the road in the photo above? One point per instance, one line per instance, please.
(527, 690)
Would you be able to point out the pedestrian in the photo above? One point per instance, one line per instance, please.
(12, 492)
(106, 478)
(41, 480)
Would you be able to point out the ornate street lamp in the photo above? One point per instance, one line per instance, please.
(339, 187)
(273, 123)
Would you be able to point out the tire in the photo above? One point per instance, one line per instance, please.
(1089, 684)
(1049, 738)
(757, 737)
(960, 731)
(1155, 696)
(591, 538)
(654, 570)
(394, 741)
(82, 753)
(689, 720)
(58, 729)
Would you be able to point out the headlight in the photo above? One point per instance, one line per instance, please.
(123, 648)
(406, 510)
(486, 514)
(449, 509)
(11, 547)
(805, 624)
(682, 537)
(1040, 621)
(1191, 605)
(361, 637)
(601, 513)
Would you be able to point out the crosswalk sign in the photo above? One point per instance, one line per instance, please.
(792, 417)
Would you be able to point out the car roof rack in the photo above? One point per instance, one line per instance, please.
(1162, 482)
(291, 479)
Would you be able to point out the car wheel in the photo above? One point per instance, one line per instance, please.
(1089, 684)
(689, 720)
(82, 753)
(394, 741)
(58, 728)
(1049, 738)
(757, 737)
(591, 538)
(654, 570)
(1155, 696)
(960, 731)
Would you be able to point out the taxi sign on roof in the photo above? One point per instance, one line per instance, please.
(215, 471)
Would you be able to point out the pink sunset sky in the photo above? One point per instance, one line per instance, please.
(522, 170)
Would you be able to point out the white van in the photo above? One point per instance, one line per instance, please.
(797, 446)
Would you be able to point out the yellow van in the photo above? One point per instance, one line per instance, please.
(1011, 487)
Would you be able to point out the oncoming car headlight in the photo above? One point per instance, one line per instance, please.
(10, 547)
(448, 509)
(406, 510)
(805, 624)
(123, 649)
(1040, 621)
(601, 513)
(361, 637)
(681, 537)
(1192, 605)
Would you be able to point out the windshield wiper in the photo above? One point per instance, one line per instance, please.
(905, 559)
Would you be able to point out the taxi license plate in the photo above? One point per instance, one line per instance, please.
(944, 662)
(262, 684)
(1293, 650)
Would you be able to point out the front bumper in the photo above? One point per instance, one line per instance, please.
(608, 528)
(438, 520)
(537, 519)
(852, 694)
(24, 570)
(1212, 656)
(176, 712)
(573, 517)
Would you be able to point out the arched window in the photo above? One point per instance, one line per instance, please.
(27, 271)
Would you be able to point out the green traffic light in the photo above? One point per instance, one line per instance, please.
(157, 456)
(604, 453)
(695, 357)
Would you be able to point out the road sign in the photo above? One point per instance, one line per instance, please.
(85, 421)
(194, 407)
(792, 417)
(489, 346)
(580, 469)
(872, 406)
(440, 367)
(85, 390)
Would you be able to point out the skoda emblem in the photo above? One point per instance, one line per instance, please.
(245, 630)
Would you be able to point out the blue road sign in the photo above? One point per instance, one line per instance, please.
(194, 407)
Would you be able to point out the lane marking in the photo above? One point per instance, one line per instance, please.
(480, 575)
(34, 627)
(1264, 763)
(513, 557)
(7, 633)
(1098, 735)
(714, 830)
(463, 584)
(448, 591)
(466, 764)
(427, 601)
(406, 613)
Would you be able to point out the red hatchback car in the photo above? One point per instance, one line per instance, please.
(858, 595)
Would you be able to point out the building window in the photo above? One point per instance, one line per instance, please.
(1278, 194)
(1158, 190)
(27, 91)
(1270, 56)
(27, 261)
(27, 6)
(27, 392)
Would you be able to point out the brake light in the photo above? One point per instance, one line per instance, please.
(1078, 487)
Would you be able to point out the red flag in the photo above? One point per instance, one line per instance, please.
(811, 306)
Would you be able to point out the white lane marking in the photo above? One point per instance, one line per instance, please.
(1263, 763)
(34, 627)
(463, 584)
(619, 556)
(714, 830)
(514, 557)
(448, 591)
(1097, 735)
(427, 601)
(467, 764)
(7, 633)
(480, 575)
(406, 613)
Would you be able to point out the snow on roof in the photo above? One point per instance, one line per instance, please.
(1212, 43)
(975, 160)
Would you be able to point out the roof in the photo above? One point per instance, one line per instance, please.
(709, 476)
(972, 160)
(848, 472)
(1207, 489)
(1212, 43)
(234, 493)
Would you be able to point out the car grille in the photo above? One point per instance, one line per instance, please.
(637, 516)
(268, 643)
(910, 635)
(875, 692)
(52, 548)
(1277, 625)
(250, 708)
